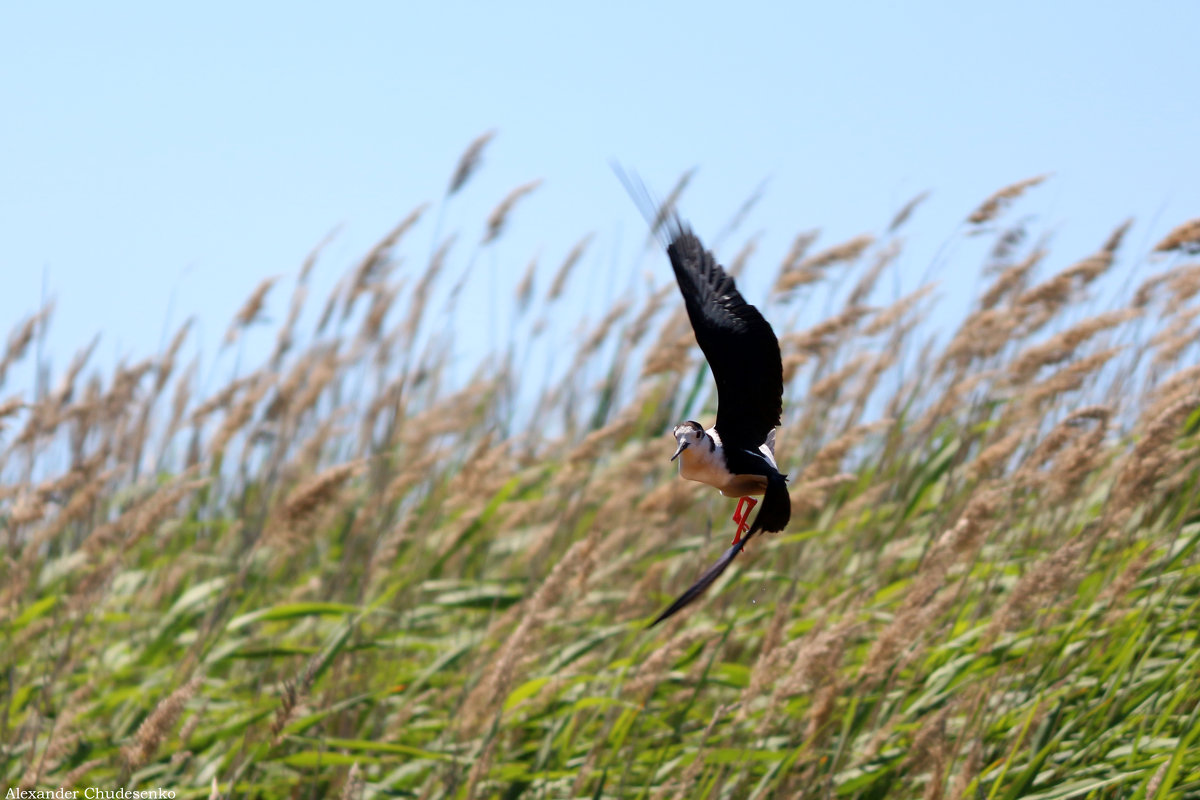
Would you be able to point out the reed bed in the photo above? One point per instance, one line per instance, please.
(345, 573)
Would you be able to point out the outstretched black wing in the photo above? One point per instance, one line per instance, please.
(772, 516)
(738, 343)
(740, 346)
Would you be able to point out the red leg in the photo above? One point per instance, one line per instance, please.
(742, 517)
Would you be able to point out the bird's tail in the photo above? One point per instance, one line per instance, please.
(776, 509)
(773, 515)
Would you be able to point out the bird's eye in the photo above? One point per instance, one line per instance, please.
(699, 435)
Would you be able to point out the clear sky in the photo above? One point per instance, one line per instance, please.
(160, 149)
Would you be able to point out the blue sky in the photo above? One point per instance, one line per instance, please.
(151, 151)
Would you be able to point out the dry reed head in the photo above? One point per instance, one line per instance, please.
(1115, 592)
(1098, 263)
(822, 337)
(591, 343)
(240, 413)
(668, 356)
(798, 276)
(848, 250)
(355, 786)
(990, 208)
(75, 776)
(884, 256)
(981, 336)
(1053, 293)
(650, 673)
(809, 664)
(166, 364)
(1077, 461)
(285, 337)
(221, 399)
(525, 288)
(421, 296)
(1185, 238)
(1038, 587)
(686, 785)
(993, 457)
(1063, 345)
(324, 371)
(468, 162)
(20, 338)
(827, 388)
(373, 268)
(828, 460)
(160, 505)
(1066, 430)
(10, 407)
(66, 385)
(1175, 338)
(158, 724)
(812, 497)
(1153, 454)
(497, 679)
(1182, 285)
(293, 693)
(499, 215)
(307, 499)
(906, 211)
(789, 277)
(886, 318)
(564, 271)
(1010, 279)
(960, 541)
(250, 310)
(930, 747)
(897, 644)
(763, 671)
(1068, 379)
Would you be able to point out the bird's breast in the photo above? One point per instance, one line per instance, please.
(708, 466)
(698, 465)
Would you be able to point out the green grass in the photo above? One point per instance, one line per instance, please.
(940, 619)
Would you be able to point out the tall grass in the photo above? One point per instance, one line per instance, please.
(344, 573)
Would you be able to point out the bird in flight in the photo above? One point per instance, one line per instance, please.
(737, 454)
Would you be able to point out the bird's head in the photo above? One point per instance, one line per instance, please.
(687, 434)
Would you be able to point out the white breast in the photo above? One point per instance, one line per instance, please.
(704, 464)
(707, 465)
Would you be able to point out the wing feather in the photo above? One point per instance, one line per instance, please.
(739, 345)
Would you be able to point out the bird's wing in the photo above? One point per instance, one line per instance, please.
(772, 516)
(738, 343)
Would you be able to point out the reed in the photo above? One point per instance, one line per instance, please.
(363, 567)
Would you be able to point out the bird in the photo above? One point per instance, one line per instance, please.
(737, 454)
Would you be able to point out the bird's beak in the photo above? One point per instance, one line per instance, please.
(682, 447)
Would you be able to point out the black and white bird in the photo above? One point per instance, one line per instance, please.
(737, 454)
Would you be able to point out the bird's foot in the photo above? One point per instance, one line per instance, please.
(741, 515)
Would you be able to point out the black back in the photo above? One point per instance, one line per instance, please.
(738, 343)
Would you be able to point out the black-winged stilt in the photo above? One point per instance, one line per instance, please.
(736, 455)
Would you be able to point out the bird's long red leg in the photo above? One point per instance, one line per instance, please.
(742, 517)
